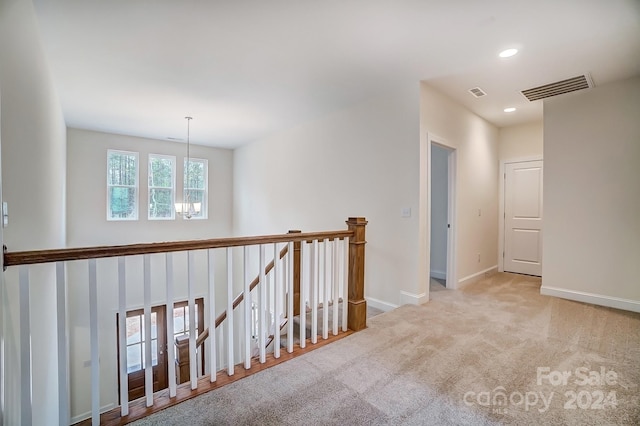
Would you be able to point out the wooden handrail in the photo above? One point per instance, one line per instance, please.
(205, 333)
(203, 336)
(68, 254)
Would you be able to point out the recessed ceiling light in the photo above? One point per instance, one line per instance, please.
(510, 109)
(508, 53)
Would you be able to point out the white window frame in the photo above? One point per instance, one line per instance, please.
(205, 199)
(173, 186)
(136, 186)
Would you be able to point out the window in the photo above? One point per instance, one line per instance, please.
(122, 185)
(136, 336)
(181, 317)
(195, 185)
(162, 178)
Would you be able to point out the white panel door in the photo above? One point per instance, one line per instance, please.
(523, 217)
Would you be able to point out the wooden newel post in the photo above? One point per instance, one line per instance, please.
(182, 359)
(296, 273)
(357, 317)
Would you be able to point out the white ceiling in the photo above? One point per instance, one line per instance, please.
(245, 69)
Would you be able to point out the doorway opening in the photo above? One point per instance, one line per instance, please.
(438, 166)
(440, 224)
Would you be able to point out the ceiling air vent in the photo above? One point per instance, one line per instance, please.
(558, 88)
(477, 92)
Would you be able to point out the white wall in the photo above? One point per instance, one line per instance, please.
(87, 171)
(521, 141)
(33, 177)
(361, 161)
(439, 200)
(476, 144)
(87, 226)
(592, 195)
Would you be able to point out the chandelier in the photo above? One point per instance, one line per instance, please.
(187, 207)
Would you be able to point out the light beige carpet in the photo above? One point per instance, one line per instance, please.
(496, 352)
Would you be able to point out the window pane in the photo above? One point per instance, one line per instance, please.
(178, 320)
(133, 329)
(154, 354)
(195, 195)
(160, 203)
(154, 325)
(194, 175)
(161, 172)
(122, 169)
(122, 202)
(134, 358)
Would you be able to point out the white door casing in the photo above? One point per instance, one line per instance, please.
(424, 218)
(2, 349)
(523, 217)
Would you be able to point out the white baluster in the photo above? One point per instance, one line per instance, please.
(289, 283)
(248, 325)
(278, 301)
(95, 350)
(303, 298)
(122, 337)
(262, 307)
(325, 290)
(315, 282)
(193, 356)
(222, 349)
(148, 366)
(63, 345)
(171, 347)
(212, 317)
(336, 283)
(230, 365)
(345, 283)
(25, 346)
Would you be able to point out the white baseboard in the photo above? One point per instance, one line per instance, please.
(463, 282)
(595, 299)
(439, 275)
(87, 415)
(407, 298)
(379, 304)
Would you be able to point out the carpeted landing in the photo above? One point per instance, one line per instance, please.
(496, 352)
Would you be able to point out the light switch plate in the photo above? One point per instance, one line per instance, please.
(405, 212)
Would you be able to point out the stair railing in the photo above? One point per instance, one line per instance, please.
(183, 362)
(305, 261)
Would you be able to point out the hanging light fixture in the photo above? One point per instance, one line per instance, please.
(188, 208)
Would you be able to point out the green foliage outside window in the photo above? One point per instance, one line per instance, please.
(122, 184)
(161, 183)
